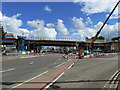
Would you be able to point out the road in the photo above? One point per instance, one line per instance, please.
(90, 73)
(62, 73)
(19, 70)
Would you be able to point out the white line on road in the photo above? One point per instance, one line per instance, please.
(69, 60)
(76, 60)
(59, 65)
(7, 70)
(31, 62)
(29, 80)
(53, 81)
(70, 66)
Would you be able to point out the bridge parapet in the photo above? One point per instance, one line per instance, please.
(55, 38)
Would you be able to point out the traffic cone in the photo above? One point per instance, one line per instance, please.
(76, 57)
(67, 57)
(40, 53)
(90, 55)
(97, 55)
(63, 56)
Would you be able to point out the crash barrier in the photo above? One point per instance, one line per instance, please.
(66, 57)
(42, 54)
(97, 55)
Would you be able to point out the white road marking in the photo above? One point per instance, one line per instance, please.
(69, 60)
(53, 81)
(70, 66)
(76, 60)
(59, 65)
(7, 70)
(31, 62)
(29, 80)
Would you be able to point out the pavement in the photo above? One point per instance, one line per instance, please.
(11, 57)
(54, 72)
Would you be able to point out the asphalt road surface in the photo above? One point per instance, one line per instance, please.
(90, 73)
(83, 73)
(20, 70)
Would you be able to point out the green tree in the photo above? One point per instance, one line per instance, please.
(86, 38)
(101, 38)
(3, 33)
(115, 38)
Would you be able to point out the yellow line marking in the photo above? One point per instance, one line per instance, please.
(111, 78)
(115, 79)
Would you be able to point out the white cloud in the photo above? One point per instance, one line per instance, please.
(36, 23)
(78, 22)
(47, 8)
(111, 29)
(46, 33)
(42, 31)
(0, 16)
(89, 21)
(97, 6)
(84, 31)
(12, 25)
(61, 27)
(82, 28)
(50, 25)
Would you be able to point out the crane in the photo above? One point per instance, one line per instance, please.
(90, 45)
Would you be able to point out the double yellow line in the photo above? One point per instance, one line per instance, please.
(112, 79)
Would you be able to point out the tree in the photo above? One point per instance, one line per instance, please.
(115, 38)
(3, 33)
(101, 38)
(86, 38)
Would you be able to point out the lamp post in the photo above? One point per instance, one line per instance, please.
(108, 31)
(38, 31)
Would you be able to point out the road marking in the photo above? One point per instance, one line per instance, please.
(70, 60)
(29, 80)
(111, 78)
(31, 62)
(70, 65)
(7, 70)
(76, 60)
(59, 65)
(114, 79)
(54, 81)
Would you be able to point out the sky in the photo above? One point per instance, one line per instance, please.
(80, 18)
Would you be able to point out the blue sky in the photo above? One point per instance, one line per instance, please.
(64, 11)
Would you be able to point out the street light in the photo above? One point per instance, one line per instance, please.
(108, 31)
(38, 31)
